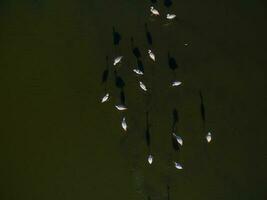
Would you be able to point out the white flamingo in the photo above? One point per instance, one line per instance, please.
(176, 83)
(170, 16)
(177, 165)
(121, 107)
(142, 86)
(117, 60)
(151, 55)
(154, 11)
(208, 137)
(150, 159)
(124, 124)
(137, 71)
(105, 98)
(178, 139)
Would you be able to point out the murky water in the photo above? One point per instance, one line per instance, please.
(58, 142)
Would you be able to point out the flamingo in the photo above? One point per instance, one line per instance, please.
(117, 60)
(170, 16)
(124, 124)
(208, 137)
(105, 98)
(154, 11)
(151, 55)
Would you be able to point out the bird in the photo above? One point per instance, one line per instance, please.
(154, 11)
(138, 71)
(176, 83)
(121, 107)
(208, 137)
(150, 159)
(151, 55)
(142, 86)
(170, 16)
(178, 139)
(105, 98)
(124, 124)
(117, 60)
(177, 165)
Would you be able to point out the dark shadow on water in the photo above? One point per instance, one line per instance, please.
(168, 3)
(135, 50)
(168, 192)
(105, 72)
(175, 118)
(172, 62)
(140, 65)
(119, 82)
(148, 35)
(147, 130)
(202, 108)
(122, 97)
(116, 36)
(153, 1)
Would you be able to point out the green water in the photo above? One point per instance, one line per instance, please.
(58, 142)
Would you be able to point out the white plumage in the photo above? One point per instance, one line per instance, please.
(137, 71)
(150, 159)
(176, 83)
(124, 124)
(178, 139)
(177, 165)
(105, 98)
(142, 86)
(117, 60)
(154, 11)
(151, 55)
(208, 137)
(121, 107)
(170, 16)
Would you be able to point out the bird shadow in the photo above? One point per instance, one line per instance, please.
(148, 35)
(119, 82)
(147, 130)
(140, 65)
(172, 62)
(202, 108)
(122, 97)
(135, 50)
(168, 3)
(105, 72)
(175, 119)
(116, 36)
(153, 1)
(168, 192)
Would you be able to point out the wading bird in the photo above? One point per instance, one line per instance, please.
(124, 124)
(177, 165)
(117, 60)
(138, 71)
(121, 107)
(105, 98)
(208, 137)
(170, 16)
(154, 11)
(176, 83)
(151, 55)
(150, 159)
(178, 139)
(142, 86)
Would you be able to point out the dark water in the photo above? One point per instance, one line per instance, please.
(58, 142)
